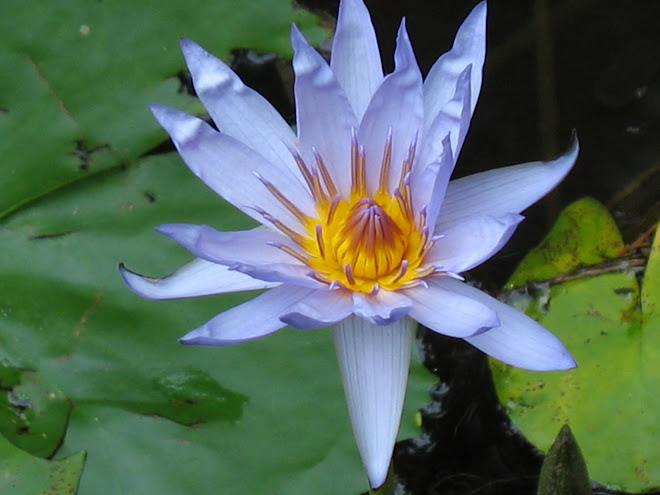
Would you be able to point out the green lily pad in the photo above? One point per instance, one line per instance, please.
(584, 234)
(612, 400)
(264, 417)
(34, 414)
(83, 73)
(23, 474)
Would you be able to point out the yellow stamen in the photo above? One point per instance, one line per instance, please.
(364, 241)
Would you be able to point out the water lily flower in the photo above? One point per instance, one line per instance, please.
(361, 229)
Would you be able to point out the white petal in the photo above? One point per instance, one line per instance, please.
(319, 309)
(323, 113)
(238, 110)
(355, 58)
(248, 321)
(519, 340)
(449, 313)
(252, 252)
(287, 273)
(374, 363)
(469, 49)
(214, 157)
(396, 108)
(383, 308)
(471, 242)
(429, 185)
(197, 278)
(254, 247)
(503, 190)
(453, 120)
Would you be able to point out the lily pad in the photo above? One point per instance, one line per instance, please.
(34, 414)
(584, 234)
(612, 400)
(23, 474)
(82, 75)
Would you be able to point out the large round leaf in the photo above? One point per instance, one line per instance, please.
(612, 400)
(79, 75)
(23, 474)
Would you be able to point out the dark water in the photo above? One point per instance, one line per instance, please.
(551, 67)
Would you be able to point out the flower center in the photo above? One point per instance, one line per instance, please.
(367, 241)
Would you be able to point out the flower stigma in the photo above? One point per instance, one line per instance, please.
(366, 240)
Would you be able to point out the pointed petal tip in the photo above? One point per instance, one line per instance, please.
(179, 125)
(127, 275)
(481, 9)
(564, 162)
(403, 31)
(187, 45)
(574, 146)
(189, 339)
(562, 361)
(193, 54)
(352, 9)
(377, 475)
(125, 272)
(476, 19)
(164, 116)
(158, 110)
(139, 284)
(404, 53)
(204, 337)
(566, 361)
(184, 234)
(169, 229)
(569, 156)
(297, 38)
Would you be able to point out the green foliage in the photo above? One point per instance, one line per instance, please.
(584, 234)
(82, 74)
(23, 474)
(33, 413)
(612, 399)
